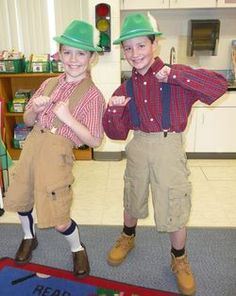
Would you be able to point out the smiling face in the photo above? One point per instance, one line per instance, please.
(76, 62)
(139, 53)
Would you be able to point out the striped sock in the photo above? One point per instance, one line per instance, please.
(27, 223)
(73, 238)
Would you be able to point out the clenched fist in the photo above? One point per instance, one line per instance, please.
(163, 74)
(62, 111)
(40, 103)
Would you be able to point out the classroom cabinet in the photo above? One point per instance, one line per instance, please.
(175, 4)
(189, 133)
(165, 4)
(140, 4)
(192, 4)
(214, 130)
(9, 84)
(211, 128)
(226, 3)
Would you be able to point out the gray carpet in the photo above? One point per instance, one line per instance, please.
(212, 252)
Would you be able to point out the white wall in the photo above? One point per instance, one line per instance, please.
(107, 72)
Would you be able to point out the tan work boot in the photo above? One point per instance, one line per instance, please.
(184, 276)
(120, 250)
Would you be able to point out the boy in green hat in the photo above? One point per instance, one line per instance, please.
(65, 112)
(156, 104)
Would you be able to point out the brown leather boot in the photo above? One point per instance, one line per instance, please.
(184, 276)
(81, 267)
(24, 253)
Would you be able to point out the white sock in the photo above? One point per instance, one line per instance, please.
(27, 223)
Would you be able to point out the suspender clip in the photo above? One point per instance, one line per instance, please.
(53, 130)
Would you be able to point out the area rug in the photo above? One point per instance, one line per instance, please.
(34, 279)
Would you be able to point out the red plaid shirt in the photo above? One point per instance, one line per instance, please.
(187, 86)
(88, 112)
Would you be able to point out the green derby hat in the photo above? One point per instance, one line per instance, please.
(135, 25)
(78, 34)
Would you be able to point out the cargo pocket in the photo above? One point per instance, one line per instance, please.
(179, 205)
(60, 196)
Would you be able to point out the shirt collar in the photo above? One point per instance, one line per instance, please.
(62, 81)
(154, 68)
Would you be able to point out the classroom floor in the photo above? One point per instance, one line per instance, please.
(99, 188)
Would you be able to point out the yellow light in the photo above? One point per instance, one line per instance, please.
(102, 25)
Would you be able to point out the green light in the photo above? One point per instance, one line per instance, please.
(104, 39)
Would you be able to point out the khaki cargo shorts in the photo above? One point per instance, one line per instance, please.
(43, 178)
(158, 163)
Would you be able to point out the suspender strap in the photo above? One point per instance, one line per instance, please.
(52, 83)
(165, 99)
(74, 98)
(132, 105)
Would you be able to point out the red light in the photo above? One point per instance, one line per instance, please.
(102, 9)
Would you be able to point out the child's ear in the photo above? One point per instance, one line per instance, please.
(154, 45)
(93, 58)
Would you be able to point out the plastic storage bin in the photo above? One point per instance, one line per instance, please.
(57, 67)
(37, 67)
(17, 105)
(12, 66)
(21, 131)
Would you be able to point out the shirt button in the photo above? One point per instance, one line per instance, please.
(151, 119)
(109, 121)
(145, 83)
(114, 111)
(145, 101)
(188, 80)
(174, 76)
(160, 88)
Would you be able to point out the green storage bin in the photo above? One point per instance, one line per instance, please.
(37, 67)
(10, 106)
(12, 66)
(18, 144)
(57, 67)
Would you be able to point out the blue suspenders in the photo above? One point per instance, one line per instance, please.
(132, 105)
(165, 99)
